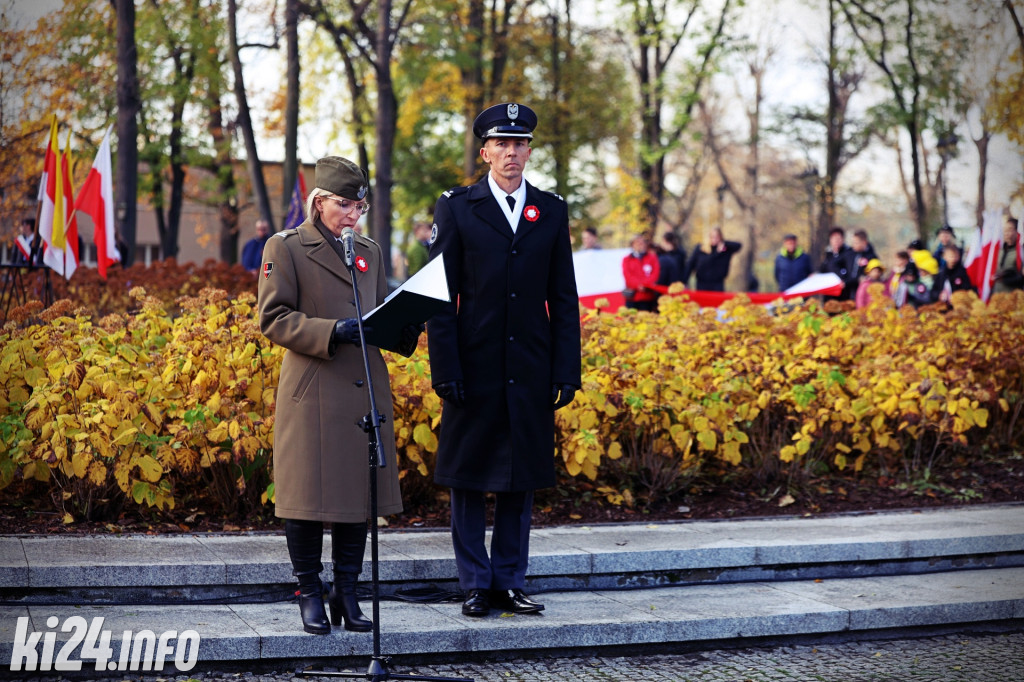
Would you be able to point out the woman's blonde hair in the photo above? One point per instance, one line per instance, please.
(312, 212)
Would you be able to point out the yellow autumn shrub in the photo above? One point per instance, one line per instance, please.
(155, 410)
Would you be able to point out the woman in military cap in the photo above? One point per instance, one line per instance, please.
(321, 471)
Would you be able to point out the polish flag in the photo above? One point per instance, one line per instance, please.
(57, 226)
(48, 188)
(1020, 242)
(96, 200)
(982, 256)
(67, 170)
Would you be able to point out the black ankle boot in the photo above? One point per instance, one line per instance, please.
(311, 604)
(305, 544)
(348, 542)
(345, 605)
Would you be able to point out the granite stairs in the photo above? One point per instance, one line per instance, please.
(604, 586)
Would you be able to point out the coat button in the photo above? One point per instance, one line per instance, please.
(511, 338)
(511, 381)
(358, 382)
(514, 252)
(513, 295)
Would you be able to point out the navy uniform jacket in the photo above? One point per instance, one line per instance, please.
(512, 329)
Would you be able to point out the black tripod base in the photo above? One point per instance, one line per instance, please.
(378, 672)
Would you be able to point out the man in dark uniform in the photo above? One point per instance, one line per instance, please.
(504, 355)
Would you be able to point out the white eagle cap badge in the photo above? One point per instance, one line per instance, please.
(362, 192)
(513, 111)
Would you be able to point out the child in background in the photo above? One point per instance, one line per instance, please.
(873, 272)
(953, 278)
(904, 284)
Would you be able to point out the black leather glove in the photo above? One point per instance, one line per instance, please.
(347, 331)
(409, 339)
(453, 392)
(562, 395)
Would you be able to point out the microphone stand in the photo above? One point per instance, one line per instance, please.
(378, 668)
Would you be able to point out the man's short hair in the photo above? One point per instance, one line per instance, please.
(590, 230)
(837, 230)
(861, 234)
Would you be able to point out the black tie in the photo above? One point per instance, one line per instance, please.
(511, 201)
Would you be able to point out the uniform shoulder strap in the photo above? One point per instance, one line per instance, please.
(454, 191)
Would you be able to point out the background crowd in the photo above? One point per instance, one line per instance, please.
(916, 275)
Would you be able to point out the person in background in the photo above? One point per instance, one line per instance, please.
(839, 261)
(953, 278)
(946, 237)
(1010, 268)
(418, 253)
(252, 252)
(863, 252)
(873, 272)
(641, 269)
(927, 265)
(672, 250)
(904, 284)
(590, 239)
(710, 266)
(28, 245)
(306, 304)
(792, 264)
(504, 356)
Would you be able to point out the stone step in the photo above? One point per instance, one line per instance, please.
(573, 619)
(58, 568)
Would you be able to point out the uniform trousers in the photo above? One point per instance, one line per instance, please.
(505, 569)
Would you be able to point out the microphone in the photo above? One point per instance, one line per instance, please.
(347, 237)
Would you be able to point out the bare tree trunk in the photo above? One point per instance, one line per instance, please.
(657, 38)
(223, 169)
(172, 228)
(259, 186)
(291, 109)
(128, 105)
(834, 118)
(753, 189)
(1016, 23)
(386, 123)
(560, 148)
(473, 84)
(982, 144)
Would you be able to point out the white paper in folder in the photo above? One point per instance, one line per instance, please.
(414, 302)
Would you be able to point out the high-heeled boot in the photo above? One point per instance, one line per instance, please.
(348, 543)
(305, 545)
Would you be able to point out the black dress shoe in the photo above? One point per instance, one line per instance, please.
(476, 604)
(515, 600)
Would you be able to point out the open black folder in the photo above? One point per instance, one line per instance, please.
(414, 302)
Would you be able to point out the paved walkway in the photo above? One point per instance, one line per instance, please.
(960, 657)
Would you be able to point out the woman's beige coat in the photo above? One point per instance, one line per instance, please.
(321, 454)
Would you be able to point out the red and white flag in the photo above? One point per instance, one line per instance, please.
(1020, 242)
(57, 225)
(67, 169)
(48, 187)
(983, 254)
(96, 200)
